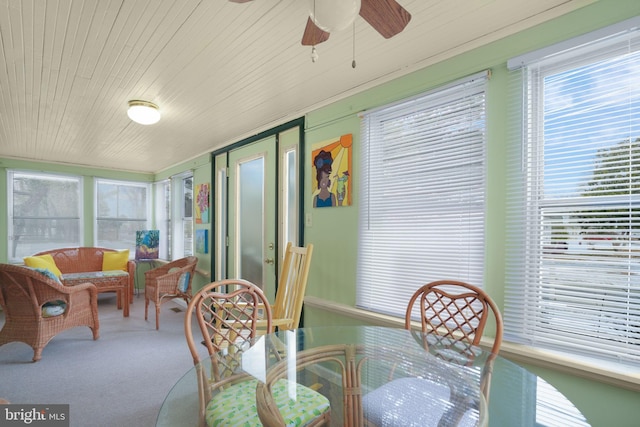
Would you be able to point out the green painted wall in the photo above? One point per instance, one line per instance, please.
(202, 175)
(334, 231)
(201, 168)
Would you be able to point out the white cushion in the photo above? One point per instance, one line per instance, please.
(411, 402)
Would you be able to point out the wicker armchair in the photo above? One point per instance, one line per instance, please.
(172, 280)
(37, 307)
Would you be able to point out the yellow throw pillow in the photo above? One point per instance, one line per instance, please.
(115, 260)
(43, 261)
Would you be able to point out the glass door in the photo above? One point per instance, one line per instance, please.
(257, 205)
(252, 214)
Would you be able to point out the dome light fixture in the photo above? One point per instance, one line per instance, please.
(143, 112)
(333, 15)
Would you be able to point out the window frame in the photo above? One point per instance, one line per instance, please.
(163, 217)
(187, 219)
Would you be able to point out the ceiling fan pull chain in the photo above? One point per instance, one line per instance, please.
(353, 63)
(314, 52)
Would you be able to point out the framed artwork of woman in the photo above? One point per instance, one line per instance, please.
(332, 173)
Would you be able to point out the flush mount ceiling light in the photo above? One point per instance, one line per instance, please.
(143, 112)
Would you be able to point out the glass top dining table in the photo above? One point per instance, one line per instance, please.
(379, 375)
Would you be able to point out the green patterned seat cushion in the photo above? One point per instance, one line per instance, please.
(236, 405)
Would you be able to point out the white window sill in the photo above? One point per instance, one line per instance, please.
(515, 352)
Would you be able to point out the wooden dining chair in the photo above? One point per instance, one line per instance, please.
(227, 313)
(452, 317)
(292, 285)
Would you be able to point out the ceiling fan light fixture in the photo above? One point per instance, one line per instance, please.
(143, 112)
(333, 15)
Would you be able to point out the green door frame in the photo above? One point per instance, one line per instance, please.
(299, 123)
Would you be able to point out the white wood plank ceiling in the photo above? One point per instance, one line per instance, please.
(219, 71)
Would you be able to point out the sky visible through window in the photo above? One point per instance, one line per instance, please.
(587, 109)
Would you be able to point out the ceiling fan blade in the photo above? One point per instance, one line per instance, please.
(313, 35)
(386, 16)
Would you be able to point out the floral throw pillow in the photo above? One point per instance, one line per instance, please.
(183, 282)
(48, 274)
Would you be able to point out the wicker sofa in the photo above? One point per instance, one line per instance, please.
(85, 264)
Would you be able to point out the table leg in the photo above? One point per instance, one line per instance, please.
(125, 300)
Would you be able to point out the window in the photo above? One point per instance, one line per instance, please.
(289, 189)
(185, 228)
(122, 208)
(221, 205)
(45, 212)
(163, 217)
(174, 216)
(422, 195)
(573, 271)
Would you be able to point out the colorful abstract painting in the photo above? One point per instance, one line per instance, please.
(147, 244)
(202, 241)
(202, 203)
(331, 172)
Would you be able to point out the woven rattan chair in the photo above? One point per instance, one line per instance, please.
(455, 310)
(172, 280)
(227, 313)
(453, 316)
(38, 307)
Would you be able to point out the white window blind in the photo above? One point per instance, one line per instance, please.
(45, 212)
(573, 267)
(122, 208)
(422, 194)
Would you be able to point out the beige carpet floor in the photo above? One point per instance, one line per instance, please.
(119, 380)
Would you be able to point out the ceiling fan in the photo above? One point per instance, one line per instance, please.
(387, 17)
